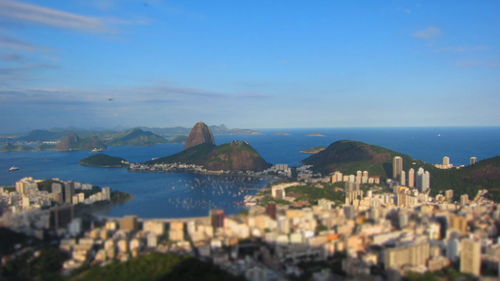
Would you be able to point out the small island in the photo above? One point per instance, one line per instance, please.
(104, 161)
(313, 150)
(315, 135)
(282, 134)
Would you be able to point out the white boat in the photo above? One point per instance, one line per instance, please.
(13, 168)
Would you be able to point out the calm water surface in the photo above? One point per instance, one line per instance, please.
(186, 195)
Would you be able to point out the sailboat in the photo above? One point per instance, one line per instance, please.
(13, 168)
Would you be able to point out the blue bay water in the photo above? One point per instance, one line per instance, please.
(186, 195)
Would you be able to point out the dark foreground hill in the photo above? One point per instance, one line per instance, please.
(234, 156)
(157, 267)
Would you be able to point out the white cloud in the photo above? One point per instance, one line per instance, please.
(428, 33)
(17, 44)
(52, 17)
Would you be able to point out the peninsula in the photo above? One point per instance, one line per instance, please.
(313, 150)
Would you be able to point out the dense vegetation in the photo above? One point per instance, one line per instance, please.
(468, 180)
(313, 193)
(156, 267)
(232, 156)
(37, 261)
(447, 274)
(103, 160)
(9, 239)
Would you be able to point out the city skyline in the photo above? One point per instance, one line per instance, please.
(249, 65)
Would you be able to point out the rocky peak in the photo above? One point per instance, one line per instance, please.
(199, 134)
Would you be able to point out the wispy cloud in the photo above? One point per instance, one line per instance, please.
(11, 57)
(461, 49)
(17, 44)
(52, 17)
(430, 32)
(479, 63)
(24, 72)
(150, 94)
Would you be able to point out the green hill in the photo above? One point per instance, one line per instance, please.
(42, 135)
(483, 175)
(75, 142)
(156, 267)
(137, 137)
(349, 156)
(103, 160)
(234, 156)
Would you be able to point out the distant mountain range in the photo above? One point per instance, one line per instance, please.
(137, 137)
(74, 139)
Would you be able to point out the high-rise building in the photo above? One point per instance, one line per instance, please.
(464, 199)
(473, 160)
(458, 223)
(128, 223)
(453, 249)
(24, 185)
(61, 216)
(349, 212)
(423, 180)
(446, 161)
(449, 195)
(106, 191)
(402, 219)
(470, 256)
(402, 181)
(68, 192)
(419, 178)
(426, 181)
(217, 216)
(271, 210)
(407, 255)
(397, 167)
(411, 177)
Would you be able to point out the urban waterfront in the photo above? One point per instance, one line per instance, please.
(168, 195)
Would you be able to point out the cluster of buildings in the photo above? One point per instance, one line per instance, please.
(385, 231)
(446, 163)
(361, 177)
(421, 179)
(279, 170)
(35, 204)
(393, 229)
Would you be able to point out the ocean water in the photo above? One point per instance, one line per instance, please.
(186, 195)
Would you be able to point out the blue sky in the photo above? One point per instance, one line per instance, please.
(249, 64)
